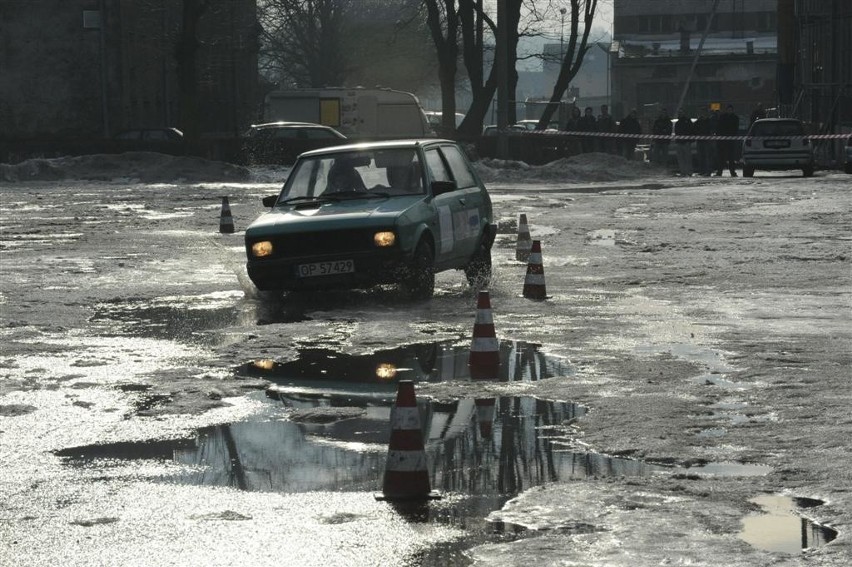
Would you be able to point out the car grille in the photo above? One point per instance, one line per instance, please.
(320, 243)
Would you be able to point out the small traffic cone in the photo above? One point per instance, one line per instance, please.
(406, 473)
(484, 360)
(534, 281)
(226, 222)
(522, 248)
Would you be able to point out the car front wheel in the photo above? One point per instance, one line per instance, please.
(418, 279)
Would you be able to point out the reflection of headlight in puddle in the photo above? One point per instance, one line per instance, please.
(264, 364)
(386, 371)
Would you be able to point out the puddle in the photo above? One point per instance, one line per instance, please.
(377, 373)
(780, 528)
(481, 452)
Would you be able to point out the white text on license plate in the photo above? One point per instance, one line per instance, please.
(326, 268)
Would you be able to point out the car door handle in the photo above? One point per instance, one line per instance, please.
(462, 201)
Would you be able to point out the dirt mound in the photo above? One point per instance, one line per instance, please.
(582, 167)
(144, 167)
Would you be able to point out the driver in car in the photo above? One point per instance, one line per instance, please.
(343, 177)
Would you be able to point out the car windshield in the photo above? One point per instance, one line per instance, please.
(786, 128)
(378, 171)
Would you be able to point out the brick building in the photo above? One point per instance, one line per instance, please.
(83, 69)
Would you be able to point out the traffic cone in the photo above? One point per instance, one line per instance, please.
(406, 473)
(485, 416)
(484, 360)
(226, 222)
(534, 281)
(522, 248)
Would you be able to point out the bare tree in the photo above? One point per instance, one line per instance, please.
(443, 22)
(303, 41)
(574, 53)
(186, 55)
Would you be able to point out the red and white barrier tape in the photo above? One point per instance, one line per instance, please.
(673, 137)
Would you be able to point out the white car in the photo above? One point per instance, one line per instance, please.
(777, 144)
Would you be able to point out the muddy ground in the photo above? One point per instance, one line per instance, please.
(707, 320)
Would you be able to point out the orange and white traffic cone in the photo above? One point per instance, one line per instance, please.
(406, 473)
(522, 248)
(226, 221)
(534, 282)
(484, 360)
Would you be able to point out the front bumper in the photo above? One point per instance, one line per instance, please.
(376, 267)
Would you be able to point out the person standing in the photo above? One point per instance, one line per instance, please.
(629, 125)
(606, 123)
(704, 127)
(683, 148)
(728, 125)
(660, 147)
(587, 123)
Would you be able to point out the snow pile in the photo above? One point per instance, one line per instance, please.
(151, 167)
(582, 167)
(144, 167)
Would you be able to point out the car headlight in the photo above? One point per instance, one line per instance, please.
(384, 239)
(261, 249)
(386, 371)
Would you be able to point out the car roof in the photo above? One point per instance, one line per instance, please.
(777, 120)
(288, 125)
(384, 144)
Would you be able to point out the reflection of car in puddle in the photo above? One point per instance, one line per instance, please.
(378, 373)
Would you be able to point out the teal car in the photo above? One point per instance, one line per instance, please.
(360, 215)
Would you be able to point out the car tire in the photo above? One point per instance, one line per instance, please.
(478, 269)
(418, 279)
(808, 171)
(748, 171)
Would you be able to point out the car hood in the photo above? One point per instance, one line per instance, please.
(344, 214)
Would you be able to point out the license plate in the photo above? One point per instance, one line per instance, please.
(776, 144)
(325, 268)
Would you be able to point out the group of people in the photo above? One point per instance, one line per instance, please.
(710, 155)
(604, 122)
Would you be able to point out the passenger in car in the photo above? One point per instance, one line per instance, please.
(343, 177)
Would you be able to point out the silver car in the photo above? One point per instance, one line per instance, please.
(777, 143)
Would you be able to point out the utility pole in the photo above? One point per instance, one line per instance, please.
(695, 59)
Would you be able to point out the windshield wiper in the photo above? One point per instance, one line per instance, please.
(303, 198)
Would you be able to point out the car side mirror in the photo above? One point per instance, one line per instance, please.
(270, 201)
(441, 187)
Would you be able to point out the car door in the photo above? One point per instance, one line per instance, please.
(458, 210)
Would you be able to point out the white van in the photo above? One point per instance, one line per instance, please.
(358, 113)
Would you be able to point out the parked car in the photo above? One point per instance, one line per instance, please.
(531, 124)
(492, 130)
(393, 212)
(848, 167)
(777, 144)
(282, 142)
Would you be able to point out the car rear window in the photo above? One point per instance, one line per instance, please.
(786, 128)
(458, 165)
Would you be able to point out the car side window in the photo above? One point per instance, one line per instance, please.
(437, 167)
(287, 133)
(319, 134)
(458, 165)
